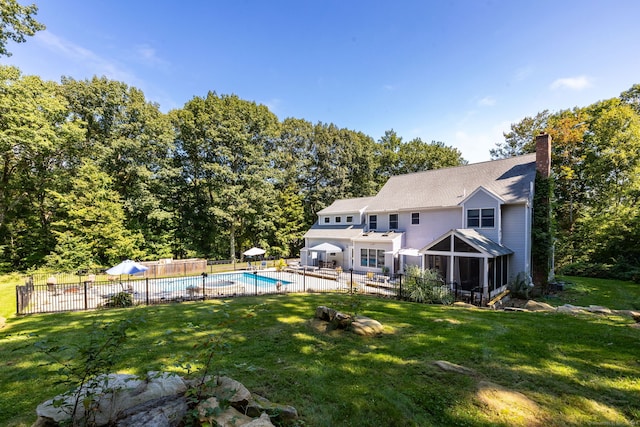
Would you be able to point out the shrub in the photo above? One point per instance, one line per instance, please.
(426, 286)
(521, 286)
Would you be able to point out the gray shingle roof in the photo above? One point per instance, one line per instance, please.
(334, 231)
(507, 178)
(346, 206)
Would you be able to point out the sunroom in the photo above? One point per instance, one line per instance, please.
(469, 262)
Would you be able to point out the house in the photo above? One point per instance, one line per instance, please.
(472, 223)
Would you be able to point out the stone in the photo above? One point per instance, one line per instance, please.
(325, 313)
(463, 304)
(210, 412)
(160, 400)
(277, 411)
(366, 326)
(263, 421)
(570, 309)
(452, 367)
(599, 309)
(532, 305)
(515, 309)
(123, 392)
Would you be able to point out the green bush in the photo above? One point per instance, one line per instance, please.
(121, 299)
(621, 270)
(426, 286)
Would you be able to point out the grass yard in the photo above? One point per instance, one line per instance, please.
(528, 368)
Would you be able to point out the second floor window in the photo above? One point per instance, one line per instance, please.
(326, 220)
(338, 219)
(393, 221)
(349, 218)
(373, 222)
(415, 218)
(481, 218)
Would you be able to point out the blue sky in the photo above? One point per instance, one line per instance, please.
(456, 71)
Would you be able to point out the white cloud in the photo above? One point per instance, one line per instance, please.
(573, 83)
(487, 101)
(84, 58)
(147, 55)
(388, 87)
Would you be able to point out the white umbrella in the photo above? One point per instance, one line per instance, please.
(127, 267)
(254, 252)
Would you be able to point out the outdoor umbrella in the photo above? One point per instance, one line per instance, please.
(254, 252)
(127, 267)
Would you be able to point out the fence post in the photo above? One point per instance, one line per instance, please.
(204, 276)
(304, 278)
(351, 280)
(146, 285)
(86, 296)
(255, 279)
(400, 286)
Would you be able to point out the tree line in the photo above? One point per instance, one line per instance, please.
(596, 182)
(92, 173)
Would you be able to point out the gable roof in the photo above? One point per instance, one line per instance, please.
(475, 239)
(510, 179)
(339, 206)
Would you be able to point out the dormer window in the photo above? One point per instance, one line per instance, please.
(326, 220)
(349, 219)
(338, 219)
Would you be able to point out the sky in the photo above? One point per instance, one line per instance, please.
(456, 71)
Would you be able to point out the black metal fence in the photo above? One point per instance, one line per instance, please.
(88, 295)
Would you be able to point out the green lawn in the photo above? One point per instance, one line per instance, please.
(609, 293)
(550, 369)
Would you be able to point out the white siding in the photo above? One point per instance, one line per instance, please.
(433, 224)
(516, 234)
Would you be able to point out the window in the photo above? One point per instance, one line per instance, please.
(349, 219)
(338, 219)
(487, 219)
(326, 220)
(415, 218)
(473, 218)
(373, 222)
(373, 258)
(393, 221)
(481, 218)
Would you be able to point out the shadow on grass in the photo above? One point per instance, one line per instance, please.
(576, 370)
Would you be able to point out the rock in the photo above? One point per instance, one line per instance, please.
(452, 367)
(325, 313)
(463, 304)
(165, 412)
(232, 391)
(210, 412)
(263, 421)
(121, 392)
(160, 400)
(365, 326)
(515, 309)
(635, 315)
(599, 309)
(570, 309)
(532, 305)
(276, 411)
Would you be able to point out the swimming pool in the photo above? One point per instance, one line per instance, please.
(240, 279)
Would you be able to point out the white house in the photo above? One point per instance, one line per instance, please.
(472, 223)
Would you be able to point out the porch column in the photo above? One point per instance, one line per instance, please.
(485, 278)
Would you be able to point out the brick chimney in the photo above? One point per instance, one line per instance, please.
(543, 154)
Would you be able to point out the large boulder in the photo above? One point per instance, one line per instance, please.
(112, 395)
(365, 326)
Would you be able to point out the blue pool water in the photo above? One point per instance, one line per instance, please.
(219, 280)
